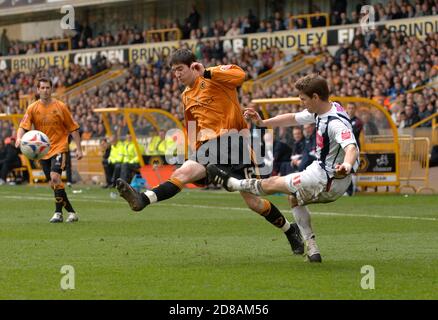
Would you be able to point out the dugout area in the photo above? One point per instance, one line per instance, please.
(142, 125)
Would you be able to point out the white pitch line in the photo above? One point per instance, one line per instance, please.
(320, 213)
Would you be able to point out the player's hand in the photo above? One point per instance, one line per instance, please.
(343, 169)
(197, 68)
(79, 154)
(17, 143)
(253, 116)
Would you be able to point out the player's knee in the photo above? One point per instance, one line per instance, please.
(55, 181)
(182, 174)
(293, 202)
(56, 185)
(255, 204)
(270, 185)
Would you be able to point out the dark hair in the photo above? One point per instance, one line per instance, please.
(182, 56)
(44, 79)
(311, 84)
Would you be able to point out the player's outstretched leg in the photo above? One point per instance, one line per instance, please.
(134, 198)
(138, 201)
(218, 176)
(221, 177)
(258, 187)
(190, 171)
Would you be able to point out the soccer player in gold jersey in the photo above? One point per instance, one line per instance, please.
(210, 100)
(53, 118)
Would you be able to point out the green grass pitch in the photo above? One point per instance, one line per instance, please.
(207, 245)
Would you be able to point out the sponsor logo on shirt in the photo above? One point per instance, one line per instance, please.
(319, 140)
(345, 135)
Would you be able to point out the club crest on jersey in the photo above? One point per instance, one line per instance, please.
(202, 86)
(345, 135)
(225, 67)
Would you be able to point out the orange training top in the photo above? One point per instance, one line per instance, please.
(213, 102)
(55, 120)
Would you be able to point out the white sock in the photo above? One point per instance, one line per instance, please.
(286, 226)
(302, 218)
(233, 184)
(151, 195)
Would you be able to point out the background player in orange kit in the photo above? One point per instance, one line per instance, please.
(210, 100)
(53, 118)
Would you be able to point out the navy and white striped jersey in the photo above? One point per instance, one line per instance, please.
(333, 133)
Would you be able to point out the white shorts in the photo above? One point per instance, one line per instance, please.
(310, 185)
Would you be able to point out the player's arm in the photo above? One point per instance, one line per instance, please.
(282, 120)
(351, 154)
(229, 75)
(77, 140)
(345, 137)
(190, 141)
(20, 133)
(25, 125)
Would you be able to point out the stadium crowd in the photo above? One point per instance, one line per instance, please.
(364, 68)
(387, 69)
(192, 27)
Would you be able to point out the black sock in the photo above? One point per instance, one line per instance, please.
(60, 193)
(165, 190)
(274, 216)
(58, 202)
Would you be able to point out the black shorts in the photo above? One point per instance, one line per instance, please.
(235, 157)
(54, 164)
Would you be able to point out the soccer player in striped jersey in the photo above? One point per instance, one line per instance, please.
(327, 178)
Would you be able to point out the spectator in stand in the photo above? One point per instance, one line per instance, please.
(318, 21)
(337, 8)
(356, 123)
(281, 153)
(357, 126)
(194, 18)
(5, 44)
(106, 149)
(300, 23)
(253, 21)
(297, 148)
(411, 116)
(115, 159)
(11, 159)
(130, 162)
(234, 30)
(309, 150)
(278, 22)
